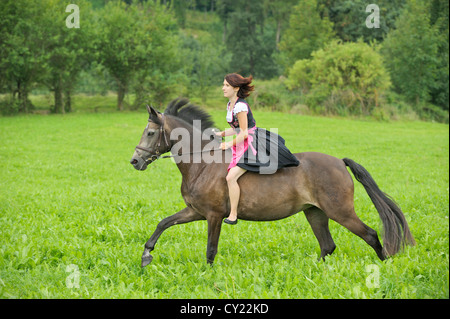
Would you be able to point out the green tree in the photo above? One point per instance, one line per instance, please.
(178, 7)
(349, 18)
(249, 40)
(23, 58)
(159, 71)
(137, 42)
(224, 9)
(307, 32)
(69, 49)
(280, 10)
(205, 63)
(440, 20)
(411, 53)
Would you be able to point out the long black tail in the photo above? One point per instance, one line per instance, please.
(396, 230)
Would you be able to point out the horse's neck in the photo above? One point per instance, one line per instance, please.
(190, 142)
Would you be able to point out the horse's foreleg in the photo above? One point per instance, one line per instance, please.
(184, 216)
(319, 224)
(214, 227)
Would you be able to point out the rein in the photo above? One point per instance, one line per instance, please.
(157, 154)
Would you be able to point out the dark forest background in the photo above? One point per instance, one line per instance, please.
(308, 56)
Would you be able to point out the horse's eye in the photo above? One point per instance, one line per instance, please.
(150, 133)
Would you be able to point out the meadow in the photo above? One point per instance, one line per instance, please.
(74, 215)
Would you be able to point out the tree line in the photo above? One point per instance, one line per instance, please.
(152, 49)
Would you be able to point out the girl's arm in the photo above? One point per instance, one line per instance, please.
(243, 125)
(243, 133)
(228, 132)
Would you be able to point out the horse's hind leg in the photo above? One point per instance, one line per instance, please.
(184, 216)
(351, 221)
(319, 224)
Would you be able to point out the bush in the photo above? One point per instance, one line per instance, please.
(341, 79)
(266, 99)
(10, 105)
(431, 112)
(273, 95)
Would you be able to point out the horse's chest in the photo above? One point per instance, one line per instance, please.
(190, 196)
(195, 204)
(202, 200)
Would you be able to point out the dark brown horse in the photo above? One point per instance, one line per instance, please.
(320, 186)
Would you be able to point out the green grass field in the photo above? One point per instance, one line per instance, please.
(74, 216)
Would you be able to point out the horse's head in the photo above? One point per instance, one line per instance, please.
(153, 143)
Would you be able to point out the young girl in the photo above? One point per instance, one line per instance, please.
(254, 149)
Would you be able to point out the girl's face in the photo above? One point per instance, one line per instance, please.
(228, 90)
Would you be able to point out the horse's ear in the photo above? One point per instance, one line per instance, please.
(153, 114)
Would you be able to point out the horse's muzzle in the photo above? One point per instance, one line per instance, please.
(139, 163)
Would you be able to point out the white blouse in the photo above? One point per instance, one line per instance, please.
(239, 107)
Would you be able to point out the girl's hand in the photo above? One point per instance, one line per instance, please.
(224, 146)
(221, 134)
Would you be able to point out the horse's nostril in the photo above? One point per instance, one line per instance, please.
(133, 161)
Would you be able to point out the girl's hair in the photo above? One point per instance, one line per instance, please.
(237, 80)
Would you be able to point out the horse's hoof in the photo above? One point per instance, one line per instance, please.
(146, 260)
(146, 257)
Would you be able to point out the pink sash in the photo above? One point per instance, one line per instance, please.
(239, 149)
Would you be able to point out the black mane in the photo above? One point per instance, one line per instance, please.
(188, 112)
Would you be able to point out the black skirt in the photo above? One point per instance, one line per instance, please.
(271, 153)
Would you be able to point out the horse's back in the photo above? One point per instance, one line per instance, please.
(293, 189)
